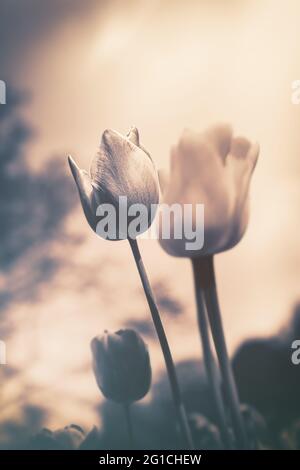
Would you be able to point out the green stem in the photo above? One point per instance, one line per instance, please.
(178, 403)
(128, 418)
(208, 285)
(208, 357)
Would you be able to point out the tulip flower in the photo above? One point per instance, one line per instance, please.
(122, 369)
(68, 438)
(124, 169)
(121, 365)
(212, 169)
(122, 174)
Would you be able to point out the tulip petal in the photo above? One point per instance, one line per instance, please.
(85, 190)
(220, 137)
(133, 136)
(163, 179)
(240, 147)
(252, 156)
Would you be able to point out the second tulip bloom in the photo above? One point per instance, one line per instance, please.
(212, 168)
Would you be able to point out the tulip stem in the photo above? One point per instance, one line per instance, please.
(178, 403)
(208, 357)
(207, 280)
(128, 417)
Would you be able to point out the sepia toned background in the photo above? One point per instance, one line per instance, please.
(74, 68)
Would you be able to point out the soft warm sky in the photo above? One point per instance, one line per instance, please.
(162, 66)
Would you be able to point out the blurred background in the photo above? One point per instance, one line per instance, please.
(74, 68)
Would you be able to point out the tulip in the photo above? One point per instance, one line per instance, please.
(214, 169)
(122, 369)
(121, 365)
(122, 172)
(68, 438)
(124, 169)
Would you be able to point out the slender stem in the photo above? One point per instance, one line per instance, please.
(128, 418)
(179, 407)
(208, 284)
(208, 357)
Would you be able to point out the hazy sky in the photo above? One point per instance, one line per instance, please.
(162, 66)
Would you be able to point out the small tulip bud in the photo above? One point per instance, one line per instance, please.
(121, 365)
(67, 438)
(122, 174)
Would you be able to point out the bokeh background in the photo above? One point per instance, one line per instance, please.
(74, 68)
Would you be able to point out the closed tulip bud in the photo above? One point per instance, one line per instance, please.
(121, 174)
(212, 169)
(121, 365)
